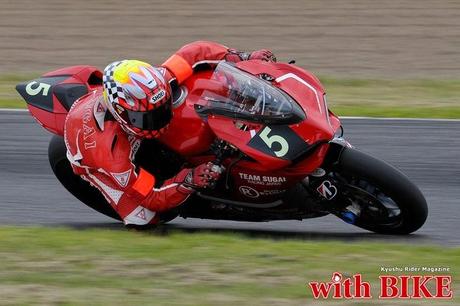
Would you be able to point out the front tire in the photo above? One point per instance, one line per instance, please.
(373, 175)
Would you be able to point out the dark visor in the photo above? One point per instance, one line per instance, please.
(152, 120)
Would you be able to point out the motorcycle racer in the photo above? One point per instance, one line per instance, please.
(104, 128)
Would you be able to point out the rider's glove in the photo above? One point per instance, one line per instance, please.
(263, 54)
(203, 176)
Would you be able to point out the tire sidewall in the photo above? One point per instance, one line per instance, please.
(392, 183)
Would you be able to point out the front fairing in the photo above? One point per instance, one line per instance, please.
(306, 90)
(277, 122)
(266, 169)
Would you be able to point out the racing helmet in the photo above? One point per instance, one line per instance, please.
(138, 97)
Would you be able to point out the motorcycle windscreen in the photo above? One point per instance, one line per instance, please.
(241, 95)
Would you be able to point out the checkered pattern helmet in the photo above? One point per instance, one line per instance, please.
(138, 97)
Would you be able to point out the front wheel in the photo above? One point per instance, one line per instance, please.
(382, 198)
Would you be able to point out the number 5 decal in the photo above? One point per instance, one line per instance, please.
(270, 140)
(42, 87)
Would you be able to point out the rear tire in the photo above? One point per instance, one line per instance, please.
(78, 187)
(393, 183)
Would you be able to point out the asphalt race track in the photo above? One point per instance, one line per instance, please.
(428, 151)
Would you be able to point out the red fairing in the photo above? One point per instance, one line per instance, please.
(53, 118)
(265, 176)
(306, 89)
(227, 130)
(299, 84)
(187, 133)
(335, 121)
(82, 73)
(51, 121)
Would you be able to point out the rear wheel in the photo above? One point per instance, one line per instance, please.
(78, 187)
(381, 198)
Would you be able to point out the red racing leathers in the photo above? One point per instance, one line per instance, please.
(102, 153)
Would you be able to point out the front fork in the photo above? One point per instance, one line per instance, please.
(328, 188)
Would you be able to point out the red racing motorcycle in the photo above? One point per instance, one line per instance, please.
(269, 126)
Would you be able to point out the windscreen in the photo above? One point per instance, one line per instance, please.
(242, 95)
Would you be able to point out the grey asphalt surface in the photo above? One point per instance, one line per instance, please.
(427, 151)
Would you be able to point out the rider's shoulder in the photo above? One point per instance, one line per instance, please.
(82, 109)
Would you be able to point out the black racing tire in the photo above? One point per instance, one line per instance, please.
(78, 187)
(392, 182)
(168, 216)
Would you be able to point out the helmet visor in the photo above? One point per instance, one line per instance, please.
(153, 120)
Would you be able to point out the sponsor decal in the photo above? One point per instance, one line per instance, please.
(87, 115)
(90, 145)
(100, 108)
(158, 96)
(88, 130)
(162, 71)
(99, 113)
(271, 192)
(253, 193)
(262, 179)
(122, 178)
(249, 192)
(403, 286)
(327, 190)
(141, 214)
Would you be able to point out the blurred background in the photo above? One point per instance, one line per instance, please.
(376, 58)
(351, 38)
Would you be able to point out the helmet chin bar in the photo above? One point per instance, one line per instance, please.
(147, 134)
(148, 124)
(151, 120)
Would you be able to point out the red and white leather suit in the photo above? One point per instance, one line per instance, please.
(102, 153)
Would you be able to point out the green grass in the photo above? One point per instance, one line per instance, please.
(346, 97)
(394, 98)
(9, 98)
(110, 267)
